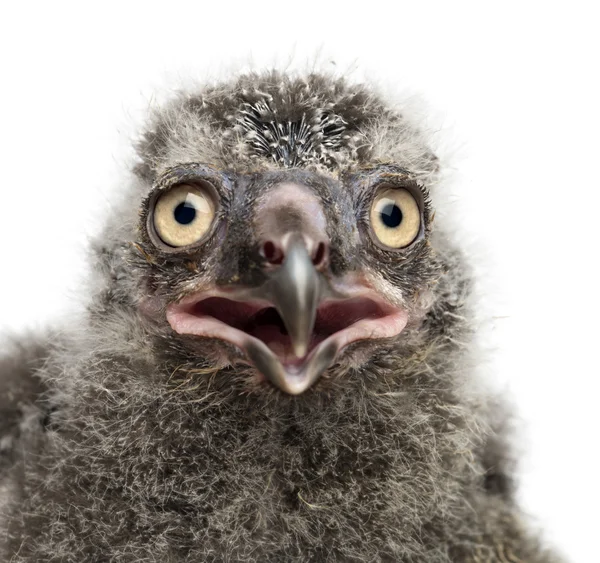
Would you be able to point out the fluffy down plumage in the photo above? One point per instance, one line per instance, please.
(124, 441)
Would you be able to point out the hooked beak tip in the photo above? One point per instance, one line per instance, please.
(300, 349)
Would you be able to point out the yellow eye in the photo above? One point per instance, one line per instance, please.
(184, 214)
(395, 218)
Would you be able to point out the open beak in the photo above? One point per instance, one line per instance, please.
(294, 325)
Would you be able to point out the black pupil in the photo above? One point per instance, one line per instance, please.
(391, 215)
(185, 213)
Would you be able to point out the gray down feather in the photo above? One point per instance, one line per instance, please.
(122, 440)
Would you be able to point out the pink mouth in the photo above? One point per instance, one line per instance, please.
(256, 324)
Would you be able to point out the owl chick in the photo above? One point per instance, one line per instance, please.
(275, 360)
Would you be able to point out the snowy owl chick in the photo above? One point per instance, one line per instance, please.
(275, 359)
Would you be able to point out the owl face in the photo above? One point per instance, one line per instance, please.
(289, 271)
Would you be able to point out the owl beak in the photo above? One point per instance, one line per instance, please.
(295, 289)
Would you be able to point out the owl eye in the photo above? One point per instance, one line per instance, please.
(184, 214)
(395, 218)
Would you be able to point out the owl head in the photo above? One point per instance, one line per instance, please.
(283, 235)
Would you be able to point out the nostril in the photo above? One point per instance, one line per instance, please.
(272, 253)
(320, 255)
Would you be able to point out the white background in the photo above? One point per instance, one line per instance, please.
(513, 91)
